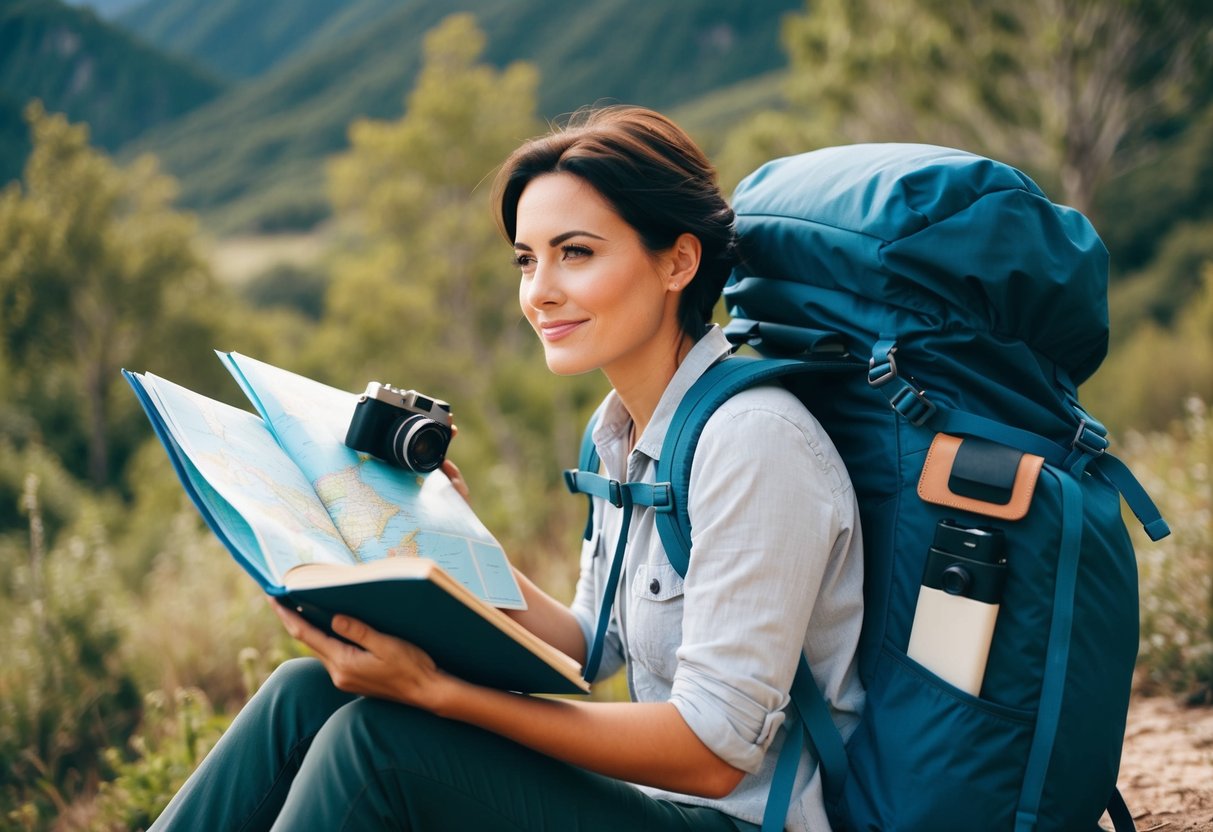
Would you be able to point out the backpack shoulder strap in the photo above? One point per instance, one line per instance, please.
(721, 382)
(588, 461)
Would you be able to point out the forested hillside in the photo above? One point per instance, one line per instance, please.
(249, 160)
(86, 68)
(237, 39)
(106, 8)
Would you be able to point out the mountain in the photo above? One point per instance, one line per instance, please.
(251, 160)
(80, 65)
(14, 139)
(106, 8)
(241, 39)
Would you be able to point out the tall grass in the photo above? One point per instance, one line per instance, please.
(112, 652)
(1176, 467)
(65, 695)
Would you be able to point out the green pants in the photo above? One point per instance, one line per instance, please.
(302, 755)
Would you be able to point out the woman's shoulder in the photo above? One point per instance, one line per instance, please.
(764, 403)
(769, 423)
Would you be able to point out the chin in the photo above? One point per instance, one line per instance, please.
(564, 368)
(567, 365)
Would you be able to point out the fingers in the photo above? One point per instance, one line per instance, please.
(452, 471)
(380, 665)
(453, 474)
(321, 643)
(358, 632)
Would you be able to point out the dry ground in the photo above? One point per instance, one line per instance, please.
(1166, 770)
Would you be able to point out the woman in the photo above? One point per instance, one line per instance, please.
(623, 241)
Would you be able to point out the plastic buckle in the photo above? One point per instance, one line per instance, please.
(663, 497)
(883, 373)
(913, 405)
(570, 480)
(615, 493)
(1089, 438)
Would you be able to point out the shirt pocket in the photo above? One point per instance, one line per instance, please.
(656, 621)
(590, 548)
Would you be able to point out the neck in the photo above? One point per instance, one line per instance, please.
(641, 386)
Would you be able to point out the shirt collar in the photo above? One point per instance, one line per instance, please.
(614, 424)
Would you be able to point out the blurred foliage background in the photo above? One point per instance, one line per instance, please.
(305, 181)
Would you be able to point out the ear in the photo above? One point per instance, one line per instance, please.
(684, 258)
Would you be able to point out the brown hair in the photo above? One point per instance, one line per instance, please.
(652, 174)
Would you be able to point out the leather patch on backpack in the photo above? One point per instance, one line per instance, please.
(979, 476)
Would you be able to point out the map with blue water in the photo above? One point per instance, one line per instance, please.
(281, 488)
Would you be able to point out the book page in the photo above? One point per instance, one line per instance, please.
(379, 509)
(257, 500)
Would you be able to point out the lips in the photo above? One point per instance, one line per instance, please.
(555, 330)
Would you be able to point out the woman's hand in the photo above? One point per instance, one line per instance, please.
(452, 472)
(384, 668)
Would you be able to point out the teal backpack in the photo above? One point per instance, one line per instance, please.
(936, 313)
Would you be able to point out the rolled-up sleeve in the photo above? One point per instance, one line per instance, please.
(766, 513)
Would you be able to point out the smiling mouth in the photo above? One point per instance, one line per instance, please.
(556, 331)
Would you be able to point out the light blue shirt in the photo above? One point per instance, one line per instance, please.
(776, 568)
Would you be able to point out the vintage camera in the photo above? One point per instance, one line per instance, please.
(402, 427)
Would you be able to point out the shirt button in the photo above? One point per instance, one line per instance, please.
(654, 586)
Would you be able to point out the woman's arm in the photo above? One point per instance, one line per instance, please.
(544, 616)
(549, 619)
(646, 743)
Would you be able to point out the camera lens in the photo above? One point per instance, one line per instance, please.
(420, 443)
(956, 580)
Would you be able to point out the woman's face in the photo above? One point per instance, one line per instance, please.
(597, 298)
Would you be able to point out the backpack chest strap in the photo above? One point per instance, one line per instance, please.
(623, 495)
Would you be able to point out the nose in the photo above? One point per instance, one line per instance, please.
(542, 287)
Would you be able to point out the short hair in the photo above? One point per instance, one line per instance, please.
(654, 176)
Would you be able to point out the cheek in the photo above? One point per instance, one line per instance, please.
(527, 311)
(630, 292)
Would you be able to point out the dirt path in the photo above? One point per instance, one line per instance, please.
(1166, 770)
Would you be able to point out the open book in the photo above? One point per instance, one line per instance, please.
(328, 530)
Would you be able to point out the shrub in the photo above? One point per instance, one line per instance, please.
(64, 696)
(1176, 652)
(195, 614)
(175, 736)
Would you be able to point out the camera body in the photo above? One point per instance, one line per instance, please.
(402, 427)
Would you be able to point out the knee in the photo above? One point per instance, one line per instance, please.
(299, 691)
(362, 769)
(293, 674)
(366, 729)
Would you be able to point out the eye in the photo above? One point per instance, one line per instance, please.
(524, 260)
(573, 252)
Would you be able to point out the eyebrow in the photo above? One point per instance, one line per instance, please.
(560, 238)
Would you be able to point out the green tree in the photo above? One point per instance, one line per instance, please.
(1068, 88)
(91, 258)
(1129, 391)
(423, 295)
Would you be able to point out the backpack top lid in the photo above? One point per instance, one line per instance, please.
(952, 238)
